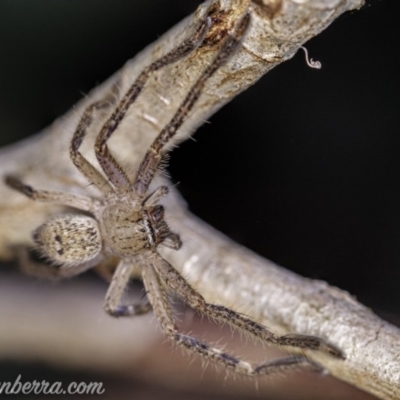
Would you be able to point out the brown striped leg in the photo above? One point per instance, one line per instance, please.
(67, 199)
(154, 155)
(83, 165)
(179, 285)
(158, 298)
(111, 168)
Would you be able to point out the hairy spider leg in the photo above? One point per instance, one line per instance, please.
(180, 286)
(158, 298)
(151, 160)
(84, 166)
(49, 196)
(110, 166)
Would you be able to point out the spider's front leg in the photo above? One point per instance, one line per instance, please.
(159, 300)
(179, 285)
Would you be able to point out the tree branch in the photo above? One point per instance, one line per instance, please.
(221, 270)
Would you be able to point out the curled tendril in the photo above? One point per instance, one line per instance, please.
(310, 62)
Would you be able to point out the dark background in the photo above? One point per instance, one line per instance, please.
(303, 168)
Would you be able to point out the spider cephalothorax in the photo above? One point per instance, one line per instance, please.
(125, 231)
(128, 223)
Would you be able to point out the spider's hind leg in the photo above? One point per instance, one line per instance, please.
(44, 196)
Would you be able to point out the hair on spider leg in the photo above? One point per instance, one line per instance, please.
(163, 165)
(193, 131)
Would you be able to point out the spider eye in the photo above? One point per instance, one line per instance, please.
(69, 239)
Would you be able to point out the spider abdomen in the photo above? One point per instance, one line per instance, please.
(67, 239)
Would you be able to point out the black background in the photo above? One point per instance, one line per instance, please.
(303, 168)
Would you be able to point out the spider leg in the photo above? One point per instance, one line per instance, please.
(111, 168)
(67, 199)
(83, 165)
(151, 160)
(158, 298)
(177, 283)
(115, 291)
